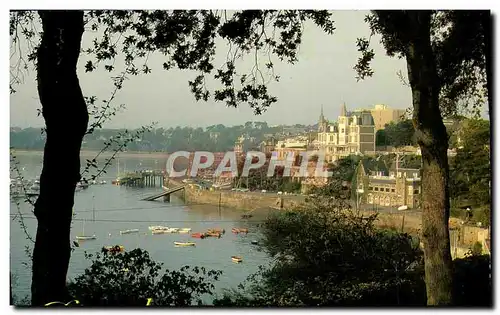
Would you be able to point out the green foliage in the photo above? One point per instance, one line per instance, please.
(216, 138)
(381, 138)
(327, 255)
(472, 281)
(400, 134)
(460, 41)
(187, 39)
(470, 170)
(477, 249)
(131, 278)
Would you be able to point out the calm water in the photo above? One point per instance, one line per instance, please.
(119, 208)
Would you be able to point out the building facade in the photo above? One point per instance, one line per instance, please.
(388, 187)
(383, 115)
(352, 133)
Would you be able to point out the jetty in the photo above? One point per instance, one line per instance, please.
(165, 194)
(148, 178)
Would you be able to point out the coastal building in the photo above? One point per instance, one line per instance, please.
(290, 145)
(392, 186)
(352, 133)
(268, 146)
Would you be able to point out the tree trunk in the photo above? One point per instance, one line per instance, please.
(66, 118)
(432, 137)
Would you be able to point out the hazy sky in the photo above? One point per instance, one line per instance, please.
(324, 76)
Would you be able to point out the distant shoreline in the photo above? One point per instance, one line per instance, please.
(105, 154)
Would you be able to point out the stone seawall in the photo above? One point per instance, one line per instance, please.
(247, 201)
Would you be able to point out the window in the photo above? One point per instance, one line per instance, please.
(342, 130)
(415, 192)
(387, 190)
(376, 188)
(370, 188)
(393, 190)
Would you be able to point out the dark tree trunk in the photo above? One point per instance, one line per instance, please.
(66, 119)
(432, 137)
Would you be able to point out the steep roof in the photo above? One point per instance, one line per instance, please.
(372, 165)
(343, 110)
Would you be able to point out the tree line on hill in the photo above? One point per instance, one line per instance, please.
(215, 138)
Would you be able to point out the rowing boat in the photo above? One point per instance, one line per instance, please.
(213, 234)
(129, 231)
(114, 249)
(159, 231)
(216, 230)
(86, 238)
(236, 259)
(198, 235)
(158, 227)
(183, 244)
(239, 230)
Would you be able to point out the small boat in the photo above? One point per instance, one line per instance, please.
(102, 182)
(236, 259)
(158, 227)
(198, 235)
(213, 234)
(184, 244)
(159, 231)
(239, 230)
(129, 231)
(217, 230)
(86, 238)
(114, 249)
(184, 230)
(254, 242)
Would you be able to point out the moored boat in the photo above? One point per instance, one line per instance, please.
(129, 231)
(213, 234)
(184, 244)
(254, 242)
(216, 230)
(86, 237)
(159, 231)
(184, 230)
(158, 227)
(198, 235)
(239, 230)
(236, 259)
(114, 249)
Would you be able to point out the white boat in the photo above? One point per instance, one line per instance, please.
(403, 208)
(185, 230)
(184, 244)
(85, 238)
(129, 231)
(159, 231)
(102, 182)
